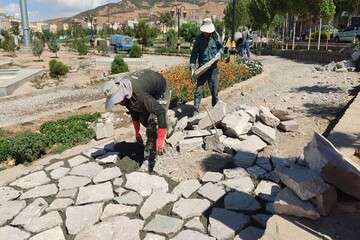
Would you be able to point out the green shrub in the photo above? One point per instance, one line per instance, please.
(4, 149)
(102, 47)
(255, 67)
(119, 65)
(8, 44)
(71, 131)
(37, 48)
(54, 46)
(324, 35)
(57, 69)
(80, 46)
(135, 51)
(27, 146)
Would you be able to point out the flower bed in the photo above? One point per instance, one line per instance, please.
(231, 72)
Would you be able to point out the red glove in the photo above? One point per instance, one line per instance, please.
(136, 125)
(160, 142)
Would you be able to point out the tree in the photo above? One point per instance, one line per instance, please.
(57, 69)
(189, 31)
(119, 65)
(242, 15)
(38, 48)
(327, 13)
(127, 30)
(145, 33)
(102, 47)
(8, 44)
(219, 26)
(54, 46)
(261, 13)
(171, 38)
(166, 19)
(80, 46)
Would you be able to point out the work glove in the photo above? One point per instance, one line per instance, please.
(160, 141)
(138, 137)
(193, 69)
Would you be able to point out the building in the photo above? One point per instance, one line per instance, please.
(6, 21)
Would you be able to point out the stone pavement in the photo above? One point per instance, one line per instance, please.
(85, 198)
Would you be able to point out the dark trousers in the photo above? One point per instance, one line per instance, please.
(211, 76)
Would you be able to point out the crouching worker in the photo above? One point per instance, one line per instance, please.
(146, 96)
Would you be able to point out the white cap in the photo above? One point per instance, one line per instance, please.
(207, 26)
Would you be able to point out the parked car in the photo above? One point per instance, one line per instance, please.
(348, 34)
(121, 42)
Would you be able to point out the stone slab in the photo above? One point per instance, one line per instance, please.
(70, 193)
(32, 211)
(236, 125)
(31, 180)
(235, 173)
(8, 193)
(53, 234)
(107, 174)
(13, 233)
(187, 188)
(95, 193)
(60, 204)
(188, 208)
(9, 175)
(59, 173)
(78, 160)
(250, 233)
(90, 170)
(151, 236)
(131, 198)
(145, 184)
(45, 222)
(212, 191)
(191, 144)
(252, 143)
(69, 182)
(213, 177)
(108, 158)
(267, 190)
(240, 201)
(289, 126)
(267, 117)
(242, 184)
(175, 139)
(217, 113)
(79, 218)
(288, 203)
(223, 224)
(244, 159)
(196, 224)
(192, 235)
(112, 210)
(156, 202)
(40, 191)
(266, 133)
(8, 210)
(164, 225)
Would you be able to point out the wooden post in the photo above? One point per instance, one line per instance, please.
(287, 32)
(294, 33)
(309, 44)
(283, 35)
(319, 40)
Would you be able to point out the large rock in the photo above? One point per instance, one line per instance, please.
(187, 188)
(32, 180)
(244, 159)
(334, 167)
(202, 133)
(32, 211)
(212, 191)
(95, 193)
(241, 184)
(70, 182)
(10, 209)
(213, 177)
(40, 191)
(288, 203)
(279, 228)
(305, 182)
(131, 198)
(90, 170)
(182, 124)
(145, 184)
(250, 233)
(107, 174)
(213, 143)
(252, 111)
(112, 210)
(55, 233)
(264, 162)
(267, 190)
(223, 224)
(164, 225)
(266, 133)
(268, 118)
(240, 201)
(80, 217)
(216, 115)
(289, 126)
(155, 202)
(261, 219)
(281, 113)
(115, 228)
(175, 139)
(13, 233)
(188, 208)
(191, 144)
(256, 171)
(192, 235)
(45, 222)
(326, 201)
(236, 125)
(8, 193)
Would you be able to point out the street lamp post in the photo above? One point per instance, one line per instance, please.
(179, 10)
(25, 22)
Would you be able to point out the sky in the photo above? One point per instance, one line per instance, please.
(47, 9)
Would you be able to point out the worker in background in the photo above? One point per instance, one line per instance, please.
(207, 46)
(146, 96)
(246, 43)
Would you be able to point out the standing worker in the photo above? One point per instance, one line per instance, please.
(146, 96)
(206, 47)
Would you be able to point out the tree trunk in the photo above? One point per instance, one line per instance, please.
(283, 35)
(287, 31)
(309, 44)
(319, 40)
(294, 33)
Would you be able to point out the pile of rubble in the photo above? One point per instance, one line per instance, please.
(245, 131)
(343, 66)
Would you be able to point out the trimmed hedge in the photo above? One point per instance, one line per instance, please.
(135, 52)
(63, 134)
(119, 65)
(57, 69)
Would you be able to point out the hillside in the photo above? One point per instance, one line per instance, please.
(136, 9)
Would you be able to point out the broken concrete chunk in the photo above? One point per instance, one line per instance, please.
(213, 177)
(268, 118)
(10, 209)
(251, 144)
(145, 184)
(190, 144)
(156, 202)
(8, 193)
(13, 233)
(256, 171)
(187, 188)
(175, 139)
(288, 203)
(32, 211)
(95, 193)
(167, 226)
(236, 125)
(268, 134)
(182, 124)
(108, 158)
(216, 115)
(333, 166)
(202, 133)
(192, 235)
(213, 143)
(280, 113)
(131, 198)
(189, 208)
(104, 130)
(241, 184)
(240, 201)
(264, 162)
(212, 191)
(196, 224)
(267, 190)
(305, 182)
(235, 173)
(261, 219)
(250, 233)
(289, 126)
